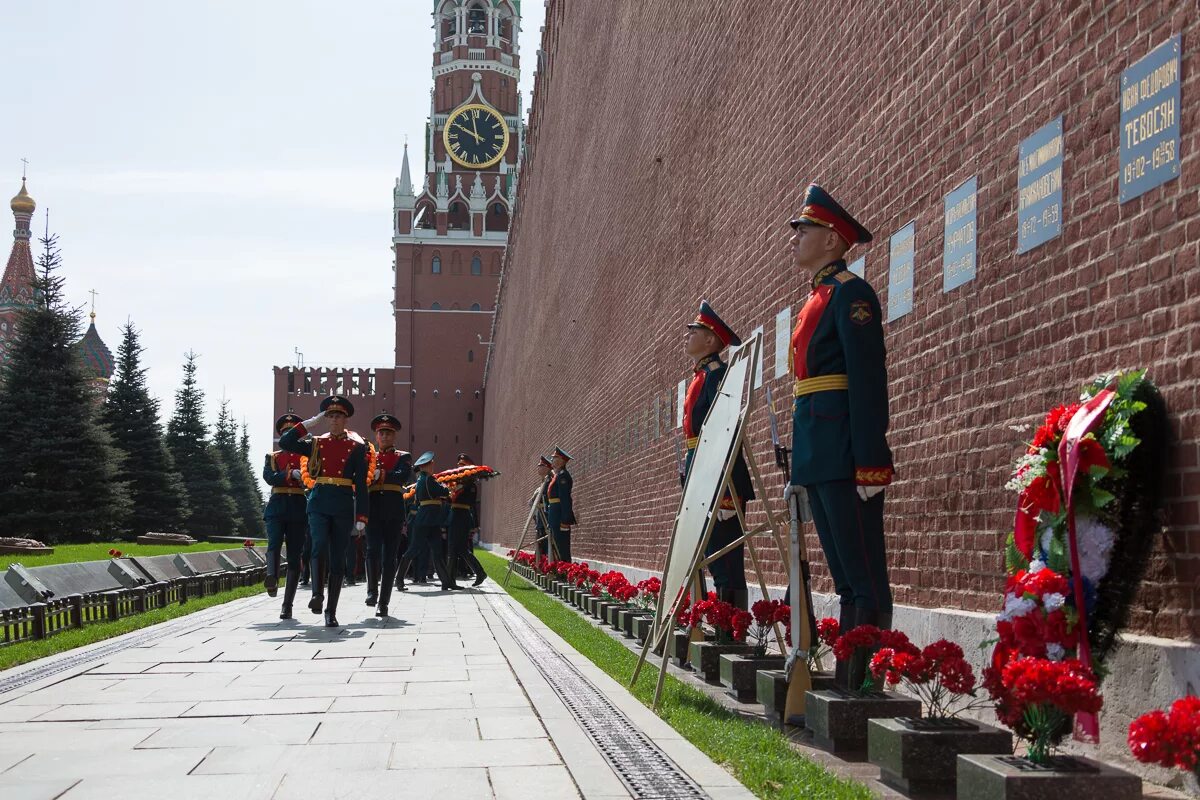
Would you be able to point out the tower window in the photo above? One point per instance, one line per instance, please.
(435, 266)
(435, 306)
(476, 266)
(470, 356)
(476, 20)
(470, 416)
(475, 307)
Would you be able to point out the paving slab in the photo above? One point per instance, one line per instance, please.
(445, 699)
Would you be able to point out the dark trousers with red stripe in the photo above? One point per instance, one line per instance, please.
(851, 534)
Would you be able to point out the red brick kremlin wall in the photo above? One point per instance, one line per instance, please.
(669, 147)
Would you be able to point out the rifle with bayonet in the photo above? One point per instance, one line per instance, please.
(803, 621)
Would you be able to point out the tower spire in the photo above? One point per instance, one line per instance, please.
(406, 187)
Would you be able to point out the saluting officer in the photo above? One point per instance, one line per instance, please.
(337, 504)
(706, 337)
(560, 511)
(464, 499)
(286, 516)
(840, 454)
(542, 546)
(385, 531)
(429, 496)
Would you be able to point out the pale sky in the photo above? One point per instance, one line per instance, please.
(221, 172)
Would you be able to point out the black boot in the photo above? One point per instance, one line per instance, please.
(477, 568)
(841, 669)
(381, 610)
(289, 591)
(373, 572)
(318, 588)
(402, 572)
(271, 582)
(335, 591)
(856, 669)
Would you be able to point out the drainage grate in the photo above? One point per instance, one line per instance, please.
(70, 660)
(645, 769)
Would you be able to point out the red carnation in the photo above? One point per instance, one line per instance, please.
(828, 630)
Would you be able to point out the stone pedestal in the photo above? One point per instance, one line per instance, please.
(990, 777)
(838, 719)
(738, 673)
(919, 756)
(629, 618)
(600, 609)
(613, 614)
(641, 627)
(706, 657)
(772, 688)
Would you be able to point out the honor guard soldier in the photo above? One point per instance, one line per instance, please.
(542, 545)
(560, 511)
(840, 454)
(338, 504)
(464, 499)
(429, 497)
(385, 531)
(286, 517)
(706, 337)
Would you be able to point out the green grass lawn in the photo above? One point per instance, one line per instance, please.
(24, 652)
(69, 553)
(758, 755)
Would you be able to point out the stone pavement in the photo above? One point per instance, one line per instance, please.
(462, 695)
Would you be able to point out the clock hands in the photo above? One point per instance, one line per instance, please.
(478, 138)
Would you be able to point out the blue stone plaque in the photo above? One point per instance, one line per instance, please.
(903, 248)
(1150, 111)
(958, 255)
(1039, 187)
(859, 266)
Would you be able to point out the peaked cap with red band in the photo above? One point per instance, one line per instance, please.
(822, 210)
(286, 421)
(545, 462)
(707, 318)
(386, 422)
(338, 403)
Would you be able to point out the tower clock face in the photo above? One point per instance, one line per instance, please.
(475, 136)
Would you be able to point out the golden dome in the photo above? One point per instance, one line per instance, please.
(22, 203)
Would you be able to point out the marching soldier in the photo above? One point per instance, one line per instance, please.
(286, 517)
(560, 512)
(429, 496)
(463, 500)
(337, 504)
(840, 454)
(542, 546)
(706, 337)
(385, 531)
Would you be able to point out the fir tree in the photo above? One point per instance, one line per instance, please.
(131, 417)
(60, 477)
(211, 508)
(237, 470)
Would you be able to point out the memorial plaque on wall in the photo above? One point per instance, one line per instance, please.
(1150, 111)
(958, 254)
(1039, 187)
(783, 340)
(900, 271)
(858, 266)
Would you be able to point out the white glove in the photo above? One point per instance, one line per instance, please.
(867, 492)
(360, 526)
(308, 423)
(788, 491)
(378, 474)
(295, 474)
(725, 513)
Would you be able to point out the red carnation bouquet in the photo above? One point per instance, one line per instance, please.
(939, 675)
(1037, 698)
(828, 631)
(766, 614)
(873, 638)
(1170, 739)
(648, 591)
